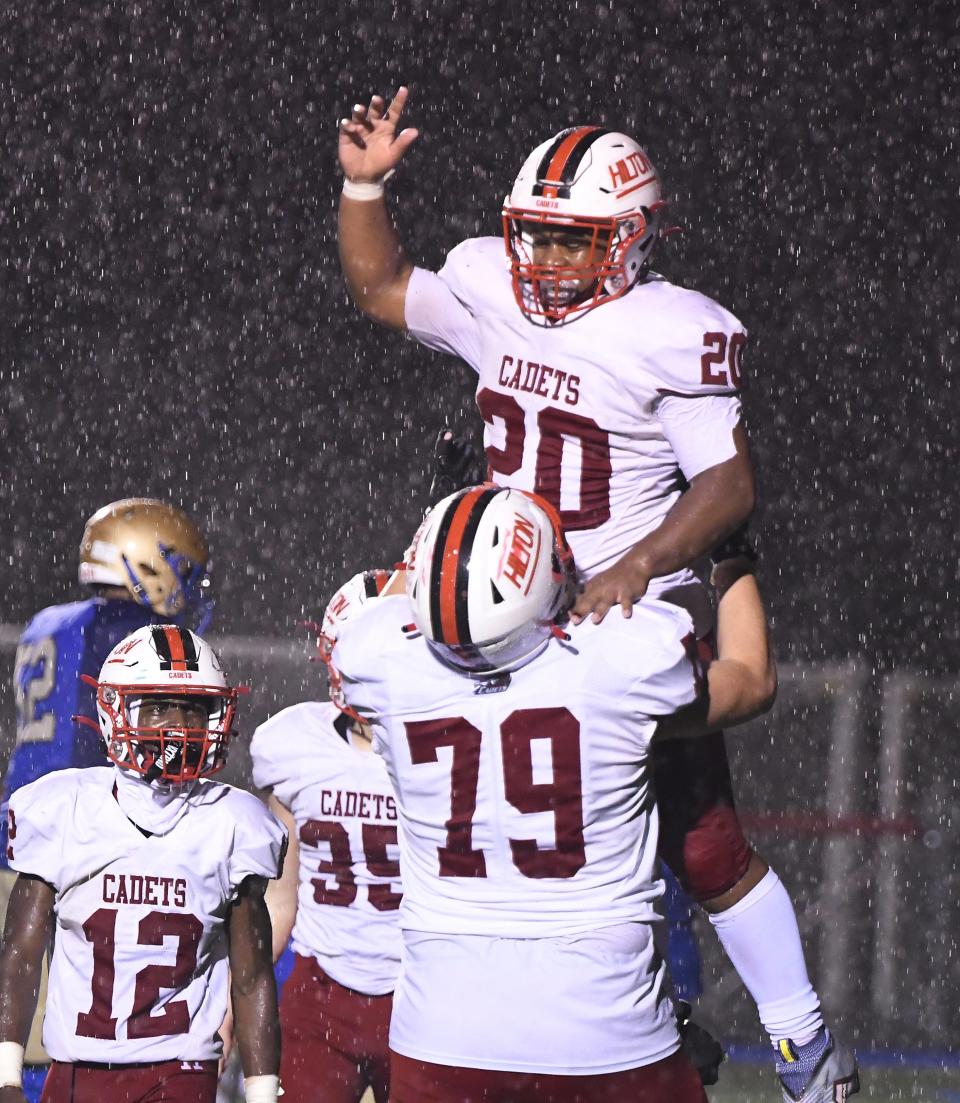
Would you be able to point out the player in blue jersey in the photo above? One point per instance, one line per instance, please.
(142, 561)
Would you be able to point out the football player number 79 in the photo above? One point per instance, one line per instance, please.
(563, 795)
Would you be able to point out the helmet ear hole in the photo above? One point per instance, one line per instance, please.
(498, 597)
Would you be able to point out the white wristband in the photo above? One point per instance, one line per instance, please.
(365, 189)
(261, 1089)
(361, 189)
(11, 1064)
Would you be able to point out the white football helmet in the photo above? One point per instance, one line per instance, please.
(153, 551)
(490, 576)
(353, 594)
(164, 662)
(591, 179)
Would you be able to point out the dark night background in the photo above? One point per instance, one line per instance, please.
(174, 322)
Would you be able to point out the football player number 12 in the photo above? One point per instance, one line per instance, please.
(563, 795)
(100, 930)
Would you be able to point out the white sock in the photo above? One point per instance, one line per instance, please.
(762, 940)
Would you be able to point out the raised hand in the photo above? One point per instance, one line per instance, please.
(370, 145)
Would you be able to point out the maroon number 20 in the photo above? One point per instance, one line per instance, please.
(555, 427)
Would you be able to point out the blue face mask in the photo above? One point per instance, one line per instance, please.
(189, 595)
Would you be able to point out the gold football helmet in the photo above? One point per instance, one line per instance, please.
(152, 550)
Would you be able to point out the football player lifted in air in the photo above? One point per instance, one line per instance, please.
(519, 751)
(149, 881)
(142, 561)
(340, 890)
(614, 394)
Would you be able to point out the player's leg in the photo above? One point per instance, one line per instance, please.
(58, 1083)
(373, 1018)
(35, 1059)
(673, 1078)
(377, 1067)
(703, 843)
(329, 1033)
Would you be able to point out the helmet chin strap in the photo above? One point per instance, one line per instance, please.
(172, 755)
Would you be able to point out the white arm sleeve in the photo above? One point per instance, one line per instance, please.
(700, 429)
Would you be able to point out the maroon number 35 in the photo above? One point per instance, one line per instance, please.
(376, 838)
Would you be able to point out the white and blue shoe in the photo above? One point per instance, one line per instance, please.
(822, 1071)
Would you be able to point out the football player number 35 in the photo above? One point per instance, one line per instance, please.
(562, 795)
(338, 885)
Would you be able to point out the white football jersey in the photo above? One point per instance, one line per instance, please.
(140, 958)
(526, 812)
(603, 416)
(349, 882)
(580, 1004)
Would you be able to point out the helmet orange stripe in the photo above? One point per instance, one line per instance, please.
(553, 174)
(567, 146)
(178, 656)
(559, 535)
(447, 564)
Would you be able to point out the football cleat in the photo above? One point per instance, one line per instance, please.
(822, 1071)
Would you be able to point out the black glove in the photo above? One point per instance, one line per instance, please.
(737, 545)
(456, 464)
(732, 559)
(703, 1050)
